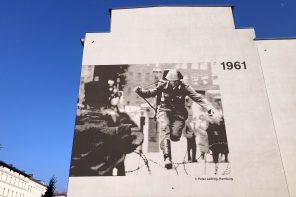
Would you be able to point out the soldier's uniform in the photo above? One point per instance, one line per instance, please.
(218, 140)
(188, 132)
(171, 111)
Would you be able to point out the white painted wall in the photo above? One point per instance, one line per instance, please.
(278, 62)
(170, 18)
(190, 35)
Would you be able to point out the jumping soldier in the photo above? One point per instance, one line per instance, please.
(171, 111)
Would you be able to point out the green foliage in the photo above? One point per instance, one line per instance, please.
(50, 188)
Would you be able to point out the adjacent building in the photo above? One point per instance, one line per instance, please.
(17, 183)
(58, 194)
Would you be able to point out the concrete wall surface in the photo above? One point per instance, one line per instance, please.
(279, 68)
(190, 35)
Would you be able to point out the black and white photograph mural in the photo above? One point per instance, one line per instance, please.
(150, 119)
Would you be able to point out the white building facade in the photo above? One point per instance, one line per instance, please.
(16, 183)
(258, 100)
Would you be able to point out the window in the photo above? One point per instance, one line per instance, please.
(139, 76)
(129, 91)
(203, 65)
(147, 76)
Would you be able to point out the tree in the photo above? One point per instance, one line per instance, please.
(50, 188)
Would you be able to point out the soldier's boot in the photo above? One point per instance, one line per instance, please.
(194, 155)
(216, 168)
(167, 154)
(168, 163)
(226, 157)
(203, 156)
(189, 157)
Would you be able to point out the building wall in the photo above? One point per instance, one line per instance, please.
(14, 184)
(87, 73)
(169, 34)
(59, 195)
(278, 65)
(191, 35)
(171, 18)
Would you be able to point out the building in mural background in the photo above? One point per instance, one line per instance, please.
(117, 132)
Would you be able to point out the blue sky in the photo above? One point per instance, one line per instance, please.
(40, 63)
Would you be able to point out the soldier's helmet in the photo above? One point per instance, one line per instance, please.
(174, 75)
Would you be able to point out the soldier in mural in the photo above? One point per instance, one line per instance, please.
(217, 139)
(171, 111)
(189, 134)
(203, 141)
(103, 134)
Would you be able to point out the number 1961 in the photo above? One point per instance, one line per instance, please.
(234, 65)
